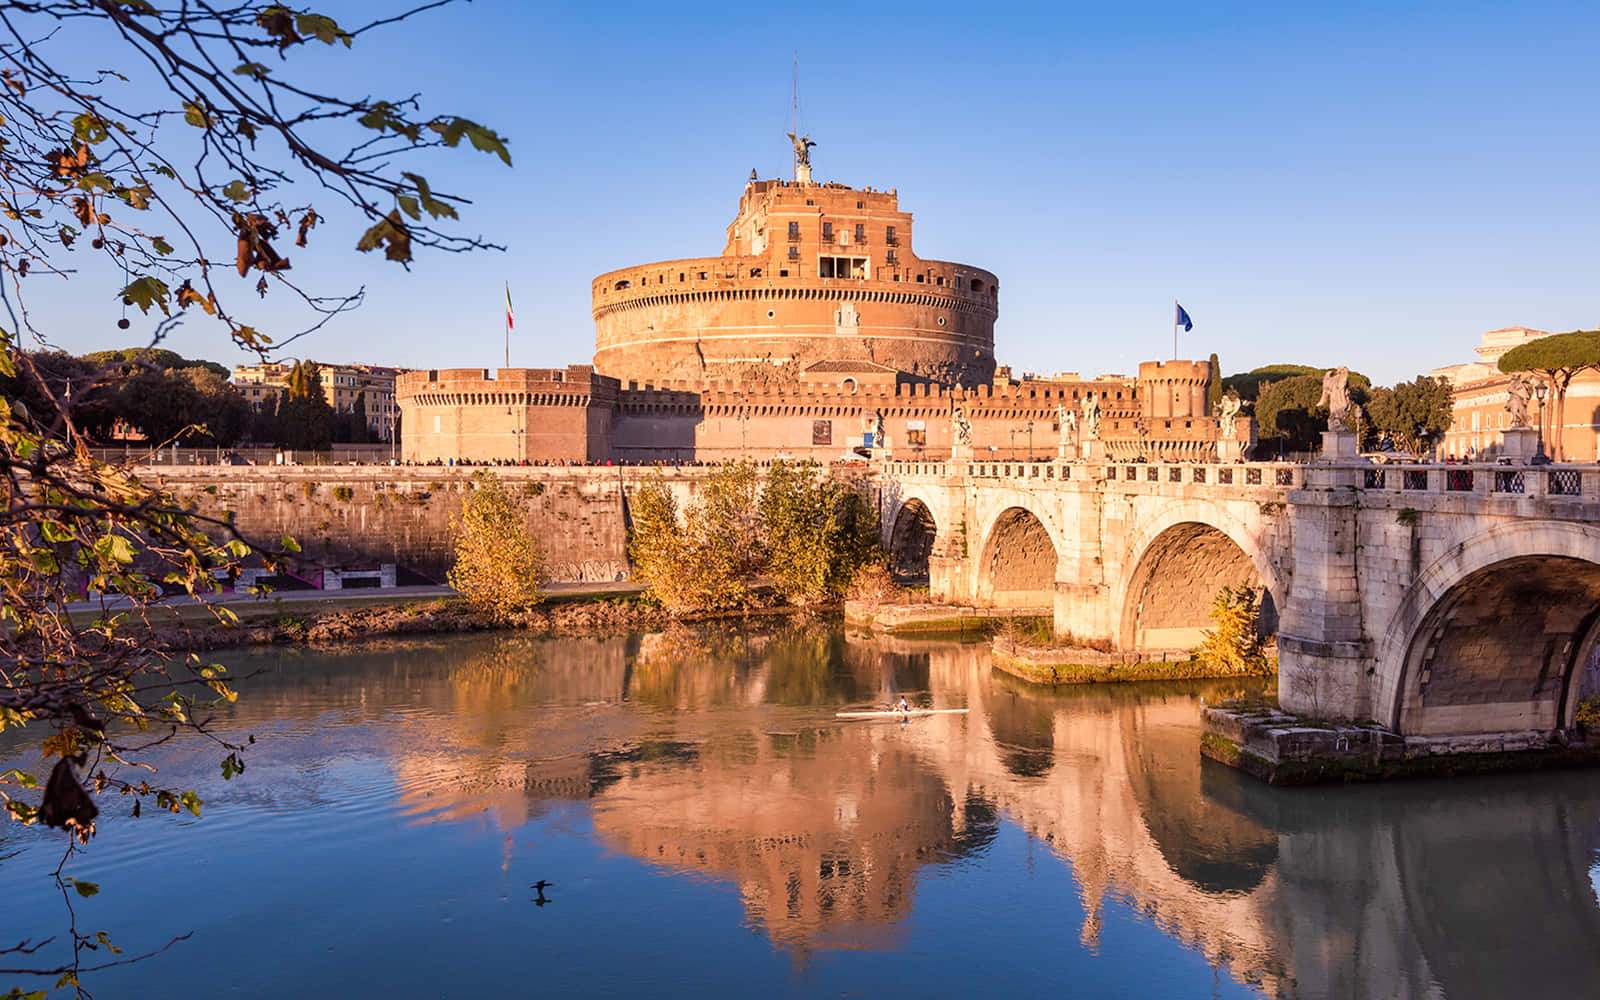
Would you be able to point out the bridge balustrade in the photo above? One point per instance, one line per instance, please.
(1509, 481)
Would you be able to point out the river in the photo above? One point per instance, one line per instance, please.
(708, 827)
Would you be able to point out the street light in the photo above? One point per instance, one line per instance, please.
(1539, 457)
(1030, 440)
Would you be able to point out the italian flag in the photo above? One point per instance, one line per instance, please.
(511, 323)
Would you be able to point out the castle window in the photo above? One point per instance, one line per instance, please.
(808, 202)
(794, 253)
(977, 285)
(888, 236)
(861, 204)
(783, 273)
(755, 272)
(794, 230)
(702, 276)
(861, 232)
(889, 258)
(624, 283)
(827, 232)
(921, 279)
(939, 281)
(680, 275)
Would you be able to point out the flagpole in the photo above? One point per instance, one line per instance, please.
(1174, 329)
(508, 324)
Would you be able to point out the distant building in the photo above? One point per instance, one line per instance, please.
(342, 386)
(1478, 394)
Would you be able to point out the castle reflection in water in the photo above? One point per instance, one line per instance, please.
(716, 756)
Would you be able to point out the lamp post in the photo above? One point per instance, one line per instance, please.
(1030, 440)
(1013, 456)
(1539, 457)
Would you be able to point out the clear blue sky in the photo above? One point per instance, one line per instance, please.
(1366, 183)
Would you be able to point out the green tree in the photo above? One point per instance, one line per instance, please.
(1214, 386)
(1410, 409)
(704, 555)
(154, 357)
(819, 532)
(1249, 384)
(499, 566)
(305, 420)
(1556, 359)
(807, 531)
(176, 143)
(1287, 414)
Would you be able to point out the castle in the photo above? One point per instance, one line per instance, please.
(817, 334)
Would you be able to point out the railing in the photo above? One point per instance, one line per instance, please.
(1440, 480)
(1509, 481)
(1160, 475)
(1564, 483)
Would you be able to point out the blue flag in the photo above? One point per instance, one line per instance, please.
(1181, 318)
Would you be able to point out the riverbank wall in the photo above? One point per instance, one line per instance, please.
(346, 517)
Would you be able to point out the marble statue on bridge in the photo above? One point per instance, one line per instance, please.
(1067, 418)
(1091, 416)
(1227, 410)
(1517, 394)
(960, 427)
(1336, 397)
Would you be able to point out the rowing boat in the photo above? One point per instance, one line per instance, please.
(896, 713)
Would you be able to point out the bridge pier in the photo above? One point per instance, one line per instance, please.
(1323, 650)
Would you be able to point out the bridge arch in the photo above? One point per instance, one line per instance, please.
(1495, 635)
(1017, 564)
(911, 538)
(1173, 567)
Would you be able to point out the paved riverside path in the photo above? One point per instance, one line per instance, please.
(359, 597)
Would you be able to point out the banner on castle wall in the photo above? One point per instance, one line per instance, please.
(917, 433)
(822, 432)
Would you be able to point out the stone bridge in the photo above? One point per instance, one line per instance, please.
(1436, 600)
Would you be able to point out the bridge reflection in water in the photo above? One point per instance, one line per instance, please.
(716, 756)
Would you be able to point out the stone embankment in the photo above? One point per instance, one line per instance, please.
(354, 517)
(890, 618)
(1285, 749)
(1051, 665)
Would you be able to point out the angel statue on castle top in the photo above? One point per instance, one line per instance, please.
(802, 148)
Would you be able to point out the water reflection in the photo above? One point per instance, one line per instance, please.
(715, 755)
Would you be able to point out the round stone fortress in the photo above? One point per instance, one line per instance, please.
(810, 273)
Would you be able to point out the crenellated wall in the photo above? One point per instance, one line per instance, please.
(513, 414)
